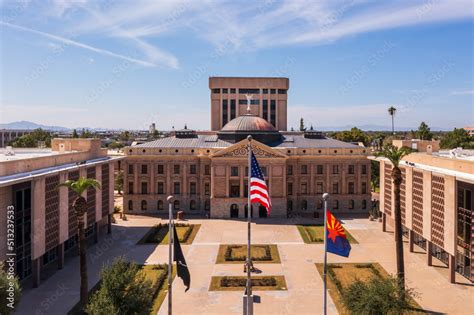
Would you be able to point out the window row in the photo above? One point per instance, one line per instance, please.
(160, 205)
(320, 188)
(320, 169)
(160, 169)
(161, 190)
(335, 204)
(250, 91)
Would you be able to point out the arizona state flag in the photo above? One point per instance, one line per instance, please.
(182, 268)
(336, 240)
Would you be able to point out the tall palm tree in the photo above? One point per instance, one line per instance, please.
(391, 111)
(80, 208)
(395, 155)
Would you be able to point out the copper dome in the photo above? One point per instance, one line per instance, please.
(248, 123)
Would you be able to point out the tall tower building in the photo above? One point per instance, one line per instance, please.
(269, 99)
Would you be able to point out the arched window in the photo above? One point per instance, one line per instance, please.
(351, 204)
(364, 204)
(143, 205)
(304, 205)
(160, 205)
(207, 205)
(176, 205)
(335, 204)
(234, 211)
(130, 205)
(192, 205)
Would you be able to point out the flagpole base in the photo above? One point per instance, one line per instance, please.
(250, 312)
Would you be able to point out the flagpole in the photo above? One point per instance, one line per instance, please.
(170, 258)
(249, 220)
(325, 197)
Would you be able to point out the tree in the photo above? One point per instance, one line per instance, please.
(80, 208)
(375, 175)
(353, 135)
(74, 134)
(119, 182)
(424, 132)
(115, 145)
(377, 296)
(457, 138)
(123, 290)
(156, 134)
(391, 111)
(10, 292)
(125, 135)
(302, 127)
(86, 134)
(395, 155)
(32, 139)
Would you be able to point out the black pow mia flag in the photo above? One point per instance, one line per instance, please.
(183, 271)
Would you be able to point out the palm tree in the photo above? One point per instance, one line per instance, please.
(80, 208)
(391, 111)
(395, 155)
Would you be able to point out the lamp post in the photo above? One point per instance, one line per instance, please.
(170, 252)
(325, 198)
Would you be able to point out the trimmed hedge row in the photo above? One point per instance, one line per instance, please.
(229, 257)
(242, 282)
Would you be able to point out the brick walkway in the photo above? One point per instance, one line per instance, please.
(304, 296)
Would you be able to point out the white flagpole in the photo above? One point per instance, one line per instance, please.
(170, 258)
(249, 220)
(325, 197)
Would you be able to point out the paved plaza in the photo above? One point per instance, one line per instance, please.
(60, 292)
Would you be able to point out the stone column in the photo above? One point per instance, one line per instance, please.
(36, 271)
(452, 269)
(61, 256)
(227, 184)
(384, 222)
(429, 258)
(411, 234)
(241, 177)
(136, 186)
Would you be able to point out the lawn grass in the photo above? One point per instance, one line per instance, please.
(158, 275)
(342, 275)
(237, 254)
(314, 234)
(238, 283)
(158, 234)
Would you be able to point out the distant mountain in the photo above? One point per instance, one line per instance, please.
(31, 125)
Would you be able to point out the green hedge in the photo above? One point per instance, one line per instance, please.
(242, 282)
(229, 257)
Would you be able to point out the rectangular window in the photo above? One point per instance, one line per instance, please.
(161, 188)
(364, 170)
(335, 204)
(252, 102)
(351, 204)
(192, 188)
(319, 169)
(249, 91)
(177, 188)
(273, 112)
(207, 189)
(290, 189)
(335, 188)
(304, 169)
(280, 91)
(207, 170)
(335, 169)
(130, 169)
(130, 187)
(320, 204)
(265, 109)
(144, 169)
(264, 170)
(225, 114)
(272, 91)
(176, 169)
(304, 188)
(265, 91)
(364, 187)
(350, 188)
(289, 170)
(225, 91)
(144, 188)
(234, 171)
(232, 109)
(192, 169)
(161, 169)
(235, 190)
(216, 91)
(319, 188)
(351, 169)
(232, 91)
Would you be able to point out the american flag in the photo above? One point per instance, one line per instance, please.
(258, 187)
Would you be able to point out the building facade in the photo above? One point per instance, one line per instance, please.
(269, 99)
(436, 206)
(9, 135)
(206, 172)
(44, 221)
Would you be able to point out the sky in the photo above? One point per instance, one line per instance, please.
(126, 64)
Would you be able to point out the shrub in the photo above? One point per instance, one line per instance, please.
(5, 284)
(242, 282)
(229, 256)
(376, 296)
(117, 209)
(123, 290)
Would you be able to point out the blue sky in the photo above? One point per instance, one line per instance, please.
(125, 64)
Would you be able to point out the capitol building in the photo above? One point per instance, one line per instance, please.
(206, 172)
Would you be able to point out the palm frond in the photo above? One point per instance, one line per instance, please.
(394, 154)
(81, 184)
